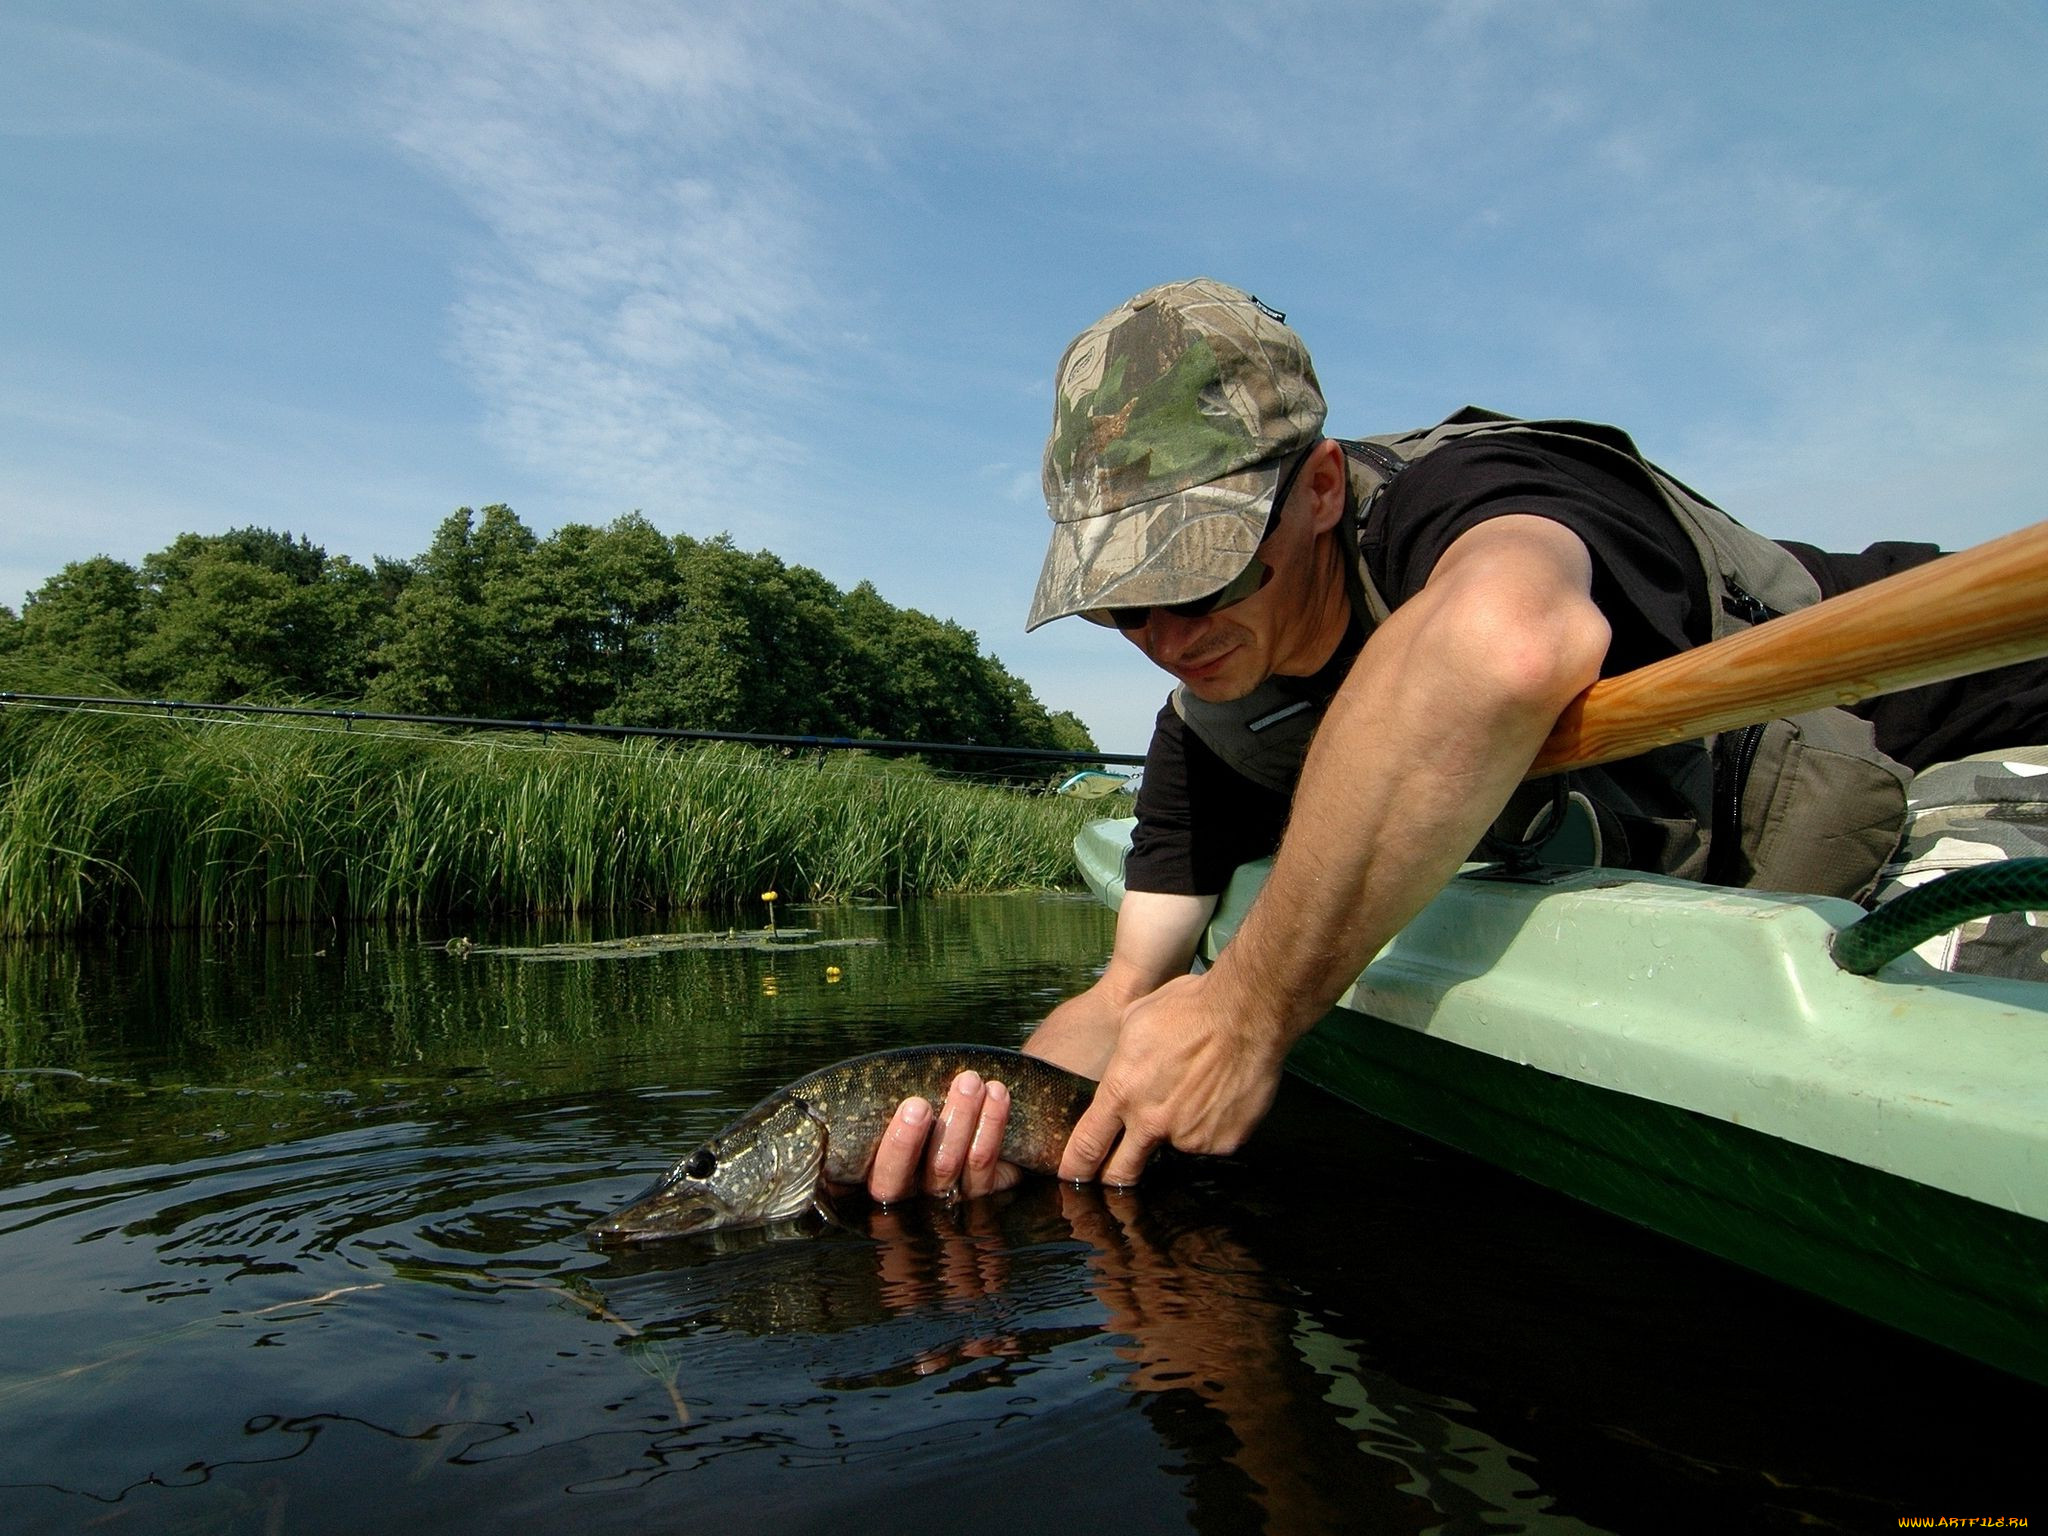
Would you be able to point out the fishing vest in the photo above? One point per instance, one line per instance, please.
(1805, 803)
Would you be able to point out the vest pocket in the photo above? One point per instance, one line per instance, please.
(1822, 808)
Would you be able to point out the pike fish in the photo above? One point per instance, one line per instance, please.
(771, 1163)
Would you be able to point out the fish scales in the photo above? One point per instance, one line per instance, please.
(772, 1162)
(856, 1099)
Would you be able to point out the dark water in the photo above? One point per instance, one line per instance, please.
(289, 1241)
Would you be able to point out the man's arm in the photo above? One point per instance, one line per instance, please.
(1156, 935)
(1437, 722)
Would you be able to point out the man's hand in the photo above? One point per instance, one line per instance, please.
(965, 1153)
(1155, 940)
(1190, 1070)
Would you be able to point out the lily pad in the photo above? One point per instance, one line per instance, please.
(667, 943)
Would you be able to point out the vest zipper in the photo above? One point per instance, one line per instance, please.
(1740, 604)
(1735, 757)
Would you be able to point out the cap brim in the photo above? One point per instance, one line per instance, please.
(1172, 550)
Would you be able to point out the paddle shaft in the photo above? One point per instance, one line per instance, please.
(1984, 607)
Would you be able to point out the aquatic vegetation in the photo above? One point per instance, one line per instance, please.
(643, 945)
(110, 819)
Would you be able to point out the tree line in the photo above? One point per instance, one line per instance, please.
(619, 624)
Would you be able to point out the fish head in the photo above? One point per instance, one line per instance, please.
(764, 1167)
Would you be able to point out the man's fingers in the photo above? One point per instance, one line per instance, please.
(957, 1121)
(1107, 1147)
(1132, 1153)
(958, 1148)
(985, 1171)
(897, 1159)
(1093, 1138)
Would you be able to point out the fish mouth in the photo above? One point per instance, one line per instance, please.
(662, 1212)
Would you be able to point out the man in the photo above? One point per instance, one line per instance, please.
(1371, 640)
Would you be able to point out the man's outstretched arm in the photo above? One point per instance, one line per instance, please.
(1434, 727)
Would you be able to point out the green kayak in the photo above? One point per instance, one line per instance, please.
(1692, 1058)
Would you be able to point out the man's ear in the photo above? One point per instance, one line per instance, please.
(1325, 479)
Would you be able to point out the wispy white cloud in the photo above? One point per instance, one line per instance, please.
(801, 270)
(650, 301)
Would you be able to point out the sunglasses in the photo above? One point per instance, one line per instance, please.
(1251, 579)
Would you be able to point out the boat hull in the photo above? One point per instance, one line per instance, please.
(1690, 1059)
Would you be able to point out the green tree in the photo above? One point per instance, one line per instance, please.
(614, 623)
(359, 602)
(462, 638)
(252, 613)
(1069, 733)
(600, 596)
(86, 619)
(751, 646)
(868, 693)
(925, 679)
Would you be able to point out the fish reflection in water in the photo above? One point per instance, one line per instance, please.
(994, 1293)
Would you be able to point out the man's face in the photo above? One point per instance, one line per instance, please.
(1291, 625)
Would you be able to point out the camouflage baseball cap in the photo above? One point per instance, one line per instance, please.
(1174, 417)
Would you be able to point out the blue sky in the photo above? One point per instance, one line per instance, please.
(801, 272)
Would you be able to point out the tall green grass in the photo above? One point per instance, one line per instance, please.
(111, 819)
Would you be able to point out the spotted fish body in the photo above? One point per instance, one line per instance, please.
(770, 1164)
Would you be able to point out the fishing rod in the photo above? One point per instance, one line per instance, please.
(581, 728)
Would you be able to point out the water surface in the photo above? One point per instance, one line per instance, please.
(290, 1240)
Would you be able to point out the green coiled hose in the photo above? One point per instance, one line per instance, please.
(2010, 885)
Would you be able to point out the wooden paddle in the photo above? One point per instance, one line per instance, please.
(1985, 607)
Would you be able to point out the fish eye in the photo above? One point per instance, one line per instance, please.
(702, 1164)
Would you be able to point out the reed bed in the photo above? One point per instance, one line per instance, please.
(122, 819)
